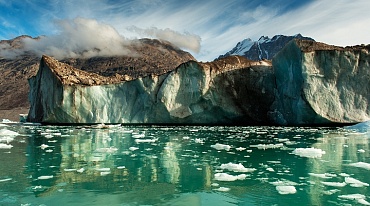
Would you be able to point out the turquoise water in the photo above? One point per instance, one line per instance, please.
(186, 165)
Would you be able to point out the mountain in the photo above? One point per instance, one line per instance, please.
(148, 56)
(264, 48)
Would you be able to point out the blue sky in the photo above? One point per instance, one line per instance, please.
(205, 28)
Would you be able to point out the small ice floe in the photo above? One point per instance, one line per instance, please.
(352, 197)
(268, 146)
(104, 169)
(69, 170)
(5, 180)
(330, 192)
(133, 148)
(145, 140)
(344, 175)
(3, 125)
(309, 152)
(104, 173)
(355, 183)
(44, 146)
(283, 140)
(222, 189)
(185, 138)
(136, 136)
(199, 141)
(334, 184)
(361, 151)
(6, 132)
(49, 150)
(286, 189)
(240, 149)
(121, 167)
(81, 170)
(219, 146)
(236, 167)
(5, 146)
(107, 150)
(323, 176)
(229, 178)
(215, 184)
(46, 177)
(363, 165)
(270, 169)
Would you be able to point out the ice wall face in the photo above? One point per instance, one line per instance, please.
(319, 84)
(194, 93)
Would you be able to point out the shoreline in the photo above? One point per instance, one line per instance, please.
(13, 114)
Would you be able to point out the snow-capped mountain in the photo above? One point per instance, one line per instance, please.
(264, 48)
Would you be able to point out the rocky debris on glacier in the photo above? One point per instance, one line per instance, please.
(308, 83)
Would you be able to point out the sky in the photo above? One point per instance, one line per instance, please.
(206, 29)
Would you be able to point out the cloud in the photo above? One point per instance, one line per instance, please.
(185, 41)
(76, 38)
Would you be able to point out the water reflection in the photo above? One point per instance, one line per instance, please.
(154, 165)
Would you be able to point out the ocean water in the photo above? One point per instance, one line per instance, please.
(183, 165)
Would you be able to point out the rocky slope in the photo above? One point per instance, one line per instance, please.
(264, 48)
(148, 57)
(308, 83)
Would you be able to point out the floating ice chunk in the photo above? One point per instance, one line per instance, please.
(107, 150)
(286, 189)
(361, 151)
(104, 173)
(236, 167)
(198, 140)
(222, 189)
(240, 148)
(270, 169)
(268, 146)
(69, 170)
(284, 183)
(103, 169)
(324, 176)
(334, 184)
(133, 148)
(363, 202)
(145, 140)
(186, 138)
(219, 146)
(138, 136)
(330, 192)
(363, 165)
(81, 170)
(45, 177)
(283, 140)
(6, 132)
(355, 183)
(44, 146)
(215, 184)
(309, 152)
(121, 167)
(229, 178)
(3, 125)
(344, 175)
(5, 146)
(352, 197)
(5, 180)
(49, 150)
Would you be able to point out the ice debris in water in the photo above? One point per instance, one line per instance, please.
(363, 165)
(45, 177)
(240, 149)
(268, 146)
(5, 146)
(229, 178)
(324, 176)
(334, 184)
(355, 183)
(286, 189)
(107, 150)
(236, 167)
(44, 146)
(133, 148)
(352, 196)
(219, 146)
(6, 132)
(309, 152)
(222, 189)
(3, 125)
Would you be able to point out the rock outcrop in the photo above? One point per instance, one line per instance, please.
(229, 91)
(308, 83)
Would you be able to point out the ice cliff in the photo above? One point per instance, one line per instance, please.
(233, 90)
(308, 83)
